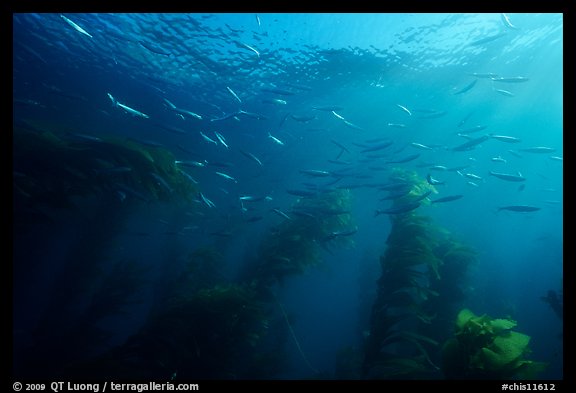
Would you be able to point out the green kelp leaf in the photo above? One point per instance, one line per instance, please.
(511, 346)
(463, 317)
(500, 325)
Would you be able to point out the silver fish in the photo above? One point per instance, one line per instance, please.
(449, 198)
(404, 109)
(75, 26)
(504, 92)
(506, 22)
(276, 140)
(207, 138)
(226, 176)
(512, 79)
(221, 139)
(538, 149)
(519, 208)
(505, 138)
(509, 177)
(252, 49)
(234, 94)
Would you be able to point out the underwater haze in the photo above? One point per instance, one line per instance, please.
(287, 196)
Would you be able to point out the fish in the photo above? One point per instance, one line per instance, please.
(132, 111)
(187, 176)
(276, 140)
(328, 108)
(160, 180)
(432, 115)
(397, 125)
(339, 162)
(470, 144)
(153, 48)
(377, 147)
(405, 159)
(303, 88)
(226, 176)
(206, 201)
(457, 168)
(251, 156)
(341, 146)
(498, 159)
(250, 48)
(509, 177)
(338, 116)
(449, 198)
(433, 181)
(234, 94)
(472, 176)
(257, 19)
(85, 137)
(221, 139)
(228, 116)
(404, 109)
(420, 146)
(512, 79)
(250, 198)
(472, 129)
(253, 115)
(538, 149)
(333, 235)
(275, 101)
(399, 209)
(169, 128)
(207, 138)
(465, 119)
(520, 208)
(351, 125)
(504, 92)
(438, 168)
(126, 108)
(556, 158)
(188, 113)
(302, 193)
(191, 164)
(505, 138)
(302, 119)
(75, 26)
(315, 172)
(281, 213)
(506, 21)
(515, 154)
(488, 39)
(484, 75)
(467, 87)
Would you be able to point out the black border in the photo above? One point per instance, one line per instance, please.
(549, 6)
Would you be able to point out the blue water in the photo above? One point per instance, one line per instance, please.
(381, 70)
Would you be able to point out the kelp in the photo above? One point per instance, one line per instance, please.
(421, 267)
(487, 348)
(217, 333)
(297, 243)
(51, 170)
